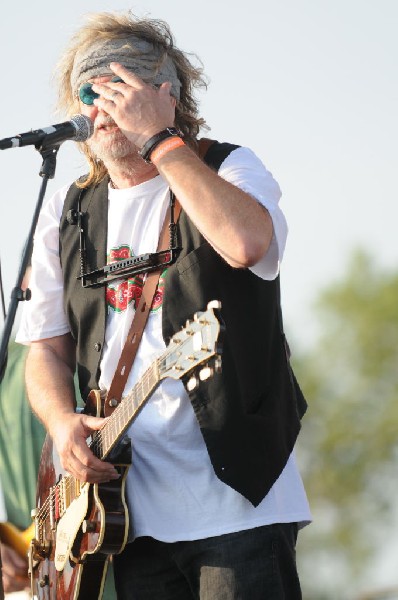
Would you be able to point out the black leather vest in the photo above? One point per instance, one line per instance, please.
(250, 412)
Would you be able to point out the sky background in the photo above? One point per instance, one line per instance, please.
(310, 85)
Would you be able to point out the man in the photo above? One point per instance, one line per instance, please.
(21, 440)
(214, 494)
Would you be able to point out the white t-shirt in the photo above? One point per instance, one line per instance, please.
(172, 490)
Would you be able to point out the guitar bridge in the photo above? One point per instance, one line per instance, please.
(38, 552)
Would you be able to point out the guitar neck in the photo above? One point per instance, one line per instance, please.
(125, 413)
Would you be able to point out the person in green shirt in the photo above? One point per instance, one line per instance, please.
(21, 440)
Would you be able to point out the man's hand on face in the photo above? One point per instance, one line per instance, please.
(139, 109)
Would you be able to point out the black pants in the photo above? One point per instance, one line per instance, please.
(257, 564)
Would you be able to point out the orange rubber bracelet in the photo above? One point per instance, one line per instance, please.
(165, 146)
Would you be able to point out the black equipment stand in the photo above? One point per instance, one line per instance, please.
(47, 171)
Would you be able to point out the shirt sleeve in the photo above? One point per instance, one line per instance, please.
(43, 316)
(245, 170)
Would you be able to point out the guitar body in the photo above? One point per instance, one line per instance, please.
(70, 553)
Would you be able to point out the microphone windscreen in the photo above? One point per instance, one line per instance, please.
(84, 127)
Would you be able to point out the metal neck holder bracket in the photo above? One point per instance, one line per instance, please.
(128, 267)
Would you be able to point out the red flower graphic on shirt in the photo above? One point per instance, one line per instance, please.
(120, 294)
(119, 253)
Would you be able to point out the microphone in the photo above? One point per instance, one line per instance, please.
(79, 129)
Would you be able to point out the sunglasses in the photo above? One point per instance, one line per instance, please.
(87, 94)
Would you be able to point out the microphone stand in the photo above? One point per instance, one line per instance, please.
(47, 171)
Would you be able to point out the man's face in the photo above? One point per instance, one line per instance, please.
(107, 142)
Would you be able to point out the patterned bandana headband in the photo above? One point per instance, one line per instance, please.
(133, 53)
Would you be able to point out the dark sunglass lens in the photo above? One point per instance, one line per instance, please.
(86, 94)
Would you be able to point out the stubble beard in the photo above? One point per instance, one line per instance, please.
(114, 146)
(118, 154)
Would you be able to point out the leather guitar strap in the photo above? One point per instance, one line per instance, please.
(141, 315)
(137, 327)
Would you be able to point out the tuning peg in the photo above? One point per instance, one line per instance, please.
(214, 304)
(188, 328)
(205, 373)
(217, 364)
(192, 383)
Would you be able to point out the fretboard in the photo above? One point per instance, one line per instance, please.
(125, 413)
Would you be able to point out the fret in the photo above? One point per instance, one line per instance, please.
(131, 401)
(136, 400)
(124, 414)
(140, 390)
(145, 384)
(106, 444)
(108, 435)
(117, 417)
(105, 440)
(99, 440)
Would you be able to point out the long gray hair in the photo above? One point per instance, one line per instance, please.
(120, 25)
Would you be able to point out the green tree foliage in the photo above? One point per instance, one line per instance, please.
(348, 447)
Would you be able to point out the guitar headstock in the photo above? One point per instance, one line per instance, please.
(196, 348)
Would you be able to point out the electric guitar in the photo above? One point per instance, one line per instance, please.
(78, 526)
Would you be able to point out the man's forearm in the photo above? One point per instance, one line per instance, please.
(49, 376)
(49, 380)
(234, 223)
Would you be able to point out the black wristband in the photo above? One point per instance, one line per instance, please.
(151, 144)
